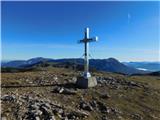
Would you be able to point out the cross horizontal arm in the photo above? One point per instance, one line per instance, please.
(89, 40)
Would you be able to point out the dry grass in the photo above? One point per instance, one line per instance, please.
(144, 102)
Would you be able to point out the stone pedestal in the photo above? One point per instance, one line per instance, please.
(82, 82)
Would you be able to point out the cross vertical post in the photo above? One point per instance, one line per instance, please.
(86, 50)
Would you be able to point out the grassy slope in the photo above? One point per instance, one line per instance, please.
(144, 102)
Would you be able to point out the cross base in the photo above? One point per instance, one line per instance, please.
(86, 75)
(83, 82)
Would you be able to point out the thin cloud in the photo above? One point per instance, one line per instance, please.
(129, 17)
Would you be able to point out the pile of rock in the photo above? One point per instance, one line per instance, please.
(98, 106)
(41, 109)
(117, 83)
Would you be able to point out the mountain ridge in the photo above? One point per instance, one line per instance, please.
(108, 65)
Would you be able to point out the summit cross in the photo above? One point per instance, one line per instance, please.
(86, 41)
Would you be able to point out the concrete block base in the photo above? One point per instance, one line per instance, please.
(86, 82)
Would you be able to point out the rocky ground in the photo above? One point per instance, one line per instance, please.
(50, 94)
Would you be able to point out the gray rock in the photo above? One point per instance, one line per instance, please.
(115, 110)
(71, 116)
(3, 118)
(44, 110)
(105, 95)
(34, 107)
(52, 118)
(136, 117)
(86, 106)
(66, 91)
(57, 110)
(79, 113)
(104, 117)
(37, 118)
(93, 104)
(38, 113)
(103, 108)
(61, 90)
(47, 105)
(69, 92)
(10, 98)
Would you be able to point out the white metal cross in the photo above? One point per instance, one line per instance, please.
(86, 41)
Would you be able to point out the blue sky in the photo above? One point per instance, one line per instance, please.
(128, 31)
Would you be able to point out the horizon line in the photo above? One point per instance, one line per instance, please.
(8, 60)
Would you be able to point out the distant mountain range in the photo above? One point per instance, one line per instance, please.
(148, 66)
(109, 65)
